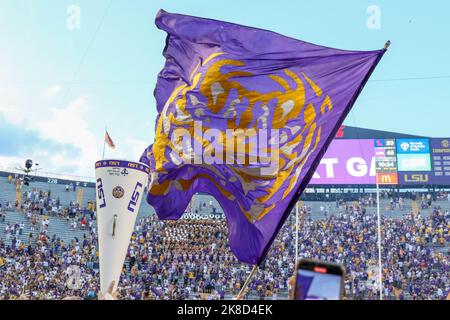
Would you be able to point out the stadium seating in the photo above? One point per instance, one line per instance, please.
(57, 226)
(8, 193)
(202, 204)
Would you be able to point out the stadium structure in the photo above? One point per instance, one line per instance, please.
(414, 168)
(348, 169)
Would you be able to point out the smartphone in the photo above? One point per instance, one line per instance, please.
(318, 280)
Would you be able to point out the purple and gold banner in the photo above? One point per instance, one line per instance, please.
(287, 96)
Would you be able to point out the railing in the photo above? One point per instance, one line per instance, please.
(50, 175)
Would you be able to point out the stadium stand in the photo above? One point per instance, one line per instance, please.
(191, 259)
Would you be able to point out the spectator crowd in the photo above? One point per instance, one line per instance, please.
(191, 258)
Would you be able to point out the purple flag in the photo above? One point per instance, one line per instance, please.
(245, 115)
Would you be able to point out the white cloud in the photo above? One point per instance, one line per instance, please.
(10, 106)
(23, 108)
(70, 125)
(127, 149)
(136, 147)
(7, 163)
(67, 125)
(52, 91)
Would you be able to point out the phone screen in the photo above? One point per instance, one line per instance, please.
(311, 285)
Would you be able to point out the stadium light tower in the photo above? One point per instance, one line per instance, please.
(28, 164)
(36, 169)
(27, 170)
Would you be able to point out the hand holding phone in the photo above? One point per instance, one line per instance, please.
(317, 280)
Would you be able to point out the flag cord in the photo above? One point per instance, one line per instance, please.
(104, 143)
(297, 211)
(247, 282)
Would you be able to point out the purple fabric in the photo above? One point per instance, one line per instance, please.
(229, 76)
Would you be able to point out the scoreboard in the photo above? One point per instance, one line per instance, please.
(422, 161)
(386, 161)
(408, 162)
(440, 149)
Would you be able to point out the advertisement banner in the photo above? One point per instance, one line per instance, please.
(415, 178)
(387, 178)
(414, 162)
(440, 153)
(347, 162)
(356, 162)
(413, 146)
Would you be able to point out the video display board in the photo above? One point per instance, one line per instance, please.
(413, 161)
(440, 153)
(347, 162)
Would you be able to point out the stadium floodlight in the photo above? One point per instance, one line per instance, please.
(118, 200)
(26, 180)
(28, 164)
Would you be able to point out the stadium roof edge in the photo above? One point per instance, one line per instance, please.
(350, 132)
(52, 178)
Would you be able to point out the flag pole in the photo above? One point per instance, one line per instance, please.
(380, 268)
(104, 142)
(247, 282)
(296, 232)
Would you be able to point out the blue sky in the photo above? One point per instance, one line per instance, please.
(59, 88)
